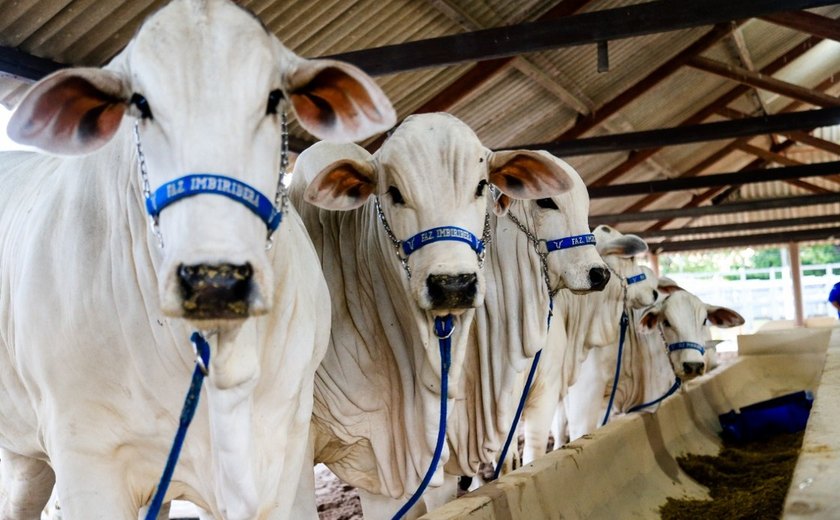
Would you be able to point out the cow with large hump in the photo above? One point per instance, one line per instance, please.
(378, 390)
(96, 308)
(581, 323)
(538, 248)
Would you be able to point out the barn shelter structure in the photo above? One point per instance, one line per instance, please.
(696, 124)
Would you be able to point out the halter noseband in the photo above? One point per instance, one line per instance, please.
(686, 345)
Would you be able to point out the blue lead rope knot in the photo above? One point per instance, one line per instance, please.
(202, 362)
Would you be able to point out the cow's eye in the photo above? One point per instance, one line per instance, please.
(274, 99)
(479, 191)
(142, 105)
(666, 323)
(547, 204)
(396, 196)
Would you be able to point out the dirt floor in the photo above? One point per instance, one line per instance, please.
(335, 499)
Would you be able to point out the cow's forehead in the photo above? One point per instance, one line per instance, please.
(204, 44)
(434, 147)
(684, 308)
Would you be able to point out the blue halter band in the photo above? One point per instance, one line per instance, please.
(636, 279)
(568, 242)
(201, 183)
(439, 234)
(686, 345)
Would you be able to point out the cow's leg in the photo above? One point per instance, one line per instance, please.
(561, 423)
(537, 418)
(586, 397)
(438, 496)
(93, 488)
(304, 504)
(25, 486)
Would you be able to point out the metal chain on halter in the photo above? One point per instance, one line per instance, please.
(543, 255)
(281, 197)
(144, 178)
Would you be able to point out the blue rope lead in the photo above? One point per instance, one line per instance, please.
(522, 399)
(443, 330)
(670, 392)
(202, 361)
(624, 322)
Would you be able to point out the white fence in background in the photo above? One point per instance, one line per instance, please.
(764, 294)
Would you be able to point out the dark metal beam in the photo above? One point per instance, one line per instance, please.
(611, 24)
(739, 227)
(806, 235)
(735, 207)
(22, 65)
(721, 179)
(806, 119)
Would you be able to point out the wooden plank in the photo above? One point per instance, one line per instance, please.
(738, 227)
(767, 155)
(806, 22)
(691, 134)
(783, 237)
(587, 28)
(721, 179)
(25, 66)
(806, 138)
(736, 207)
(763, 81)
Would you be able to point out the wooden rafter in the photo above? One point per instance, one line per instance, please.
(805, 235)
(764, 81)
(808, 23)
(736, 207)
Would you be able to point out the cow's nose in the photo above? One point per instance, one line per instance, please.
(452, 291)
(215, 291)
(598, 278)
(694, 368)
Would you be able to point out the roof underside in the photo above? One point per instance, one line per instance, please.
(548, 96)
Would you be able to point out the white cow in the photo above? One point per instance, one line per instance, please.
(648, 369)
(581, 323)
(95, 318)
(377, 392)
(512, 325)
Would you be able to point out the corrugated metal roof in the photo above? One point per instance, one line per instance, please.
(512, 108)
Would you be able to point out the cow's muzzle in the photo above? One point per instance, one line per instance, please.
(211, 292)
(455, 291)
(692, 369)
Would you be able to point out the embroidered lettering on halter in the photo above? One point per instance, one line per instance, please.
(438, 234)
(572, 241)
(209, 183)
(636, 279)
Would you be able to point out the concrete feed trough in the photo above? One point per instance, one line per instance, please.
(628, 468)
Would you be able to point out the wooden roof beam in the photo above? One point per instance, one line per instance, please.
(783, 237)
(737, 227)
(701, 211)
(764, 81)
(808, 23)
(720, 179)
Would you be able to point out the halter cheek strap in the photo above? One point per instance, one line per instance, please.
(209, 183)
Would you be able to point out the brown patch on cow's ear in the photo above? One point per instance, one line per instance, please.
(343, 185)
(649, 319)
(337, 101)
(723, 316)
(526, 174)
(501, 204)
(70, 112)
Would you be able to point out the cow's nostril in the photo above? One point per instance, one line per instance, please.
(456, 291)
(598, 278)
(215, 291)
(694, 368)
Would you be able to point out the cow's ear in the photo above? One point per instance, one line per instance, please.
(649, 319)
(337, 101)
(667, 285)
(527, 174)
(339, 176)
(625, 246)
(723, 316)
(70, 112)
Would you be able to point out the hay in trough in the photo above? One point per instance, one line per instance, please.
(747, 480)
